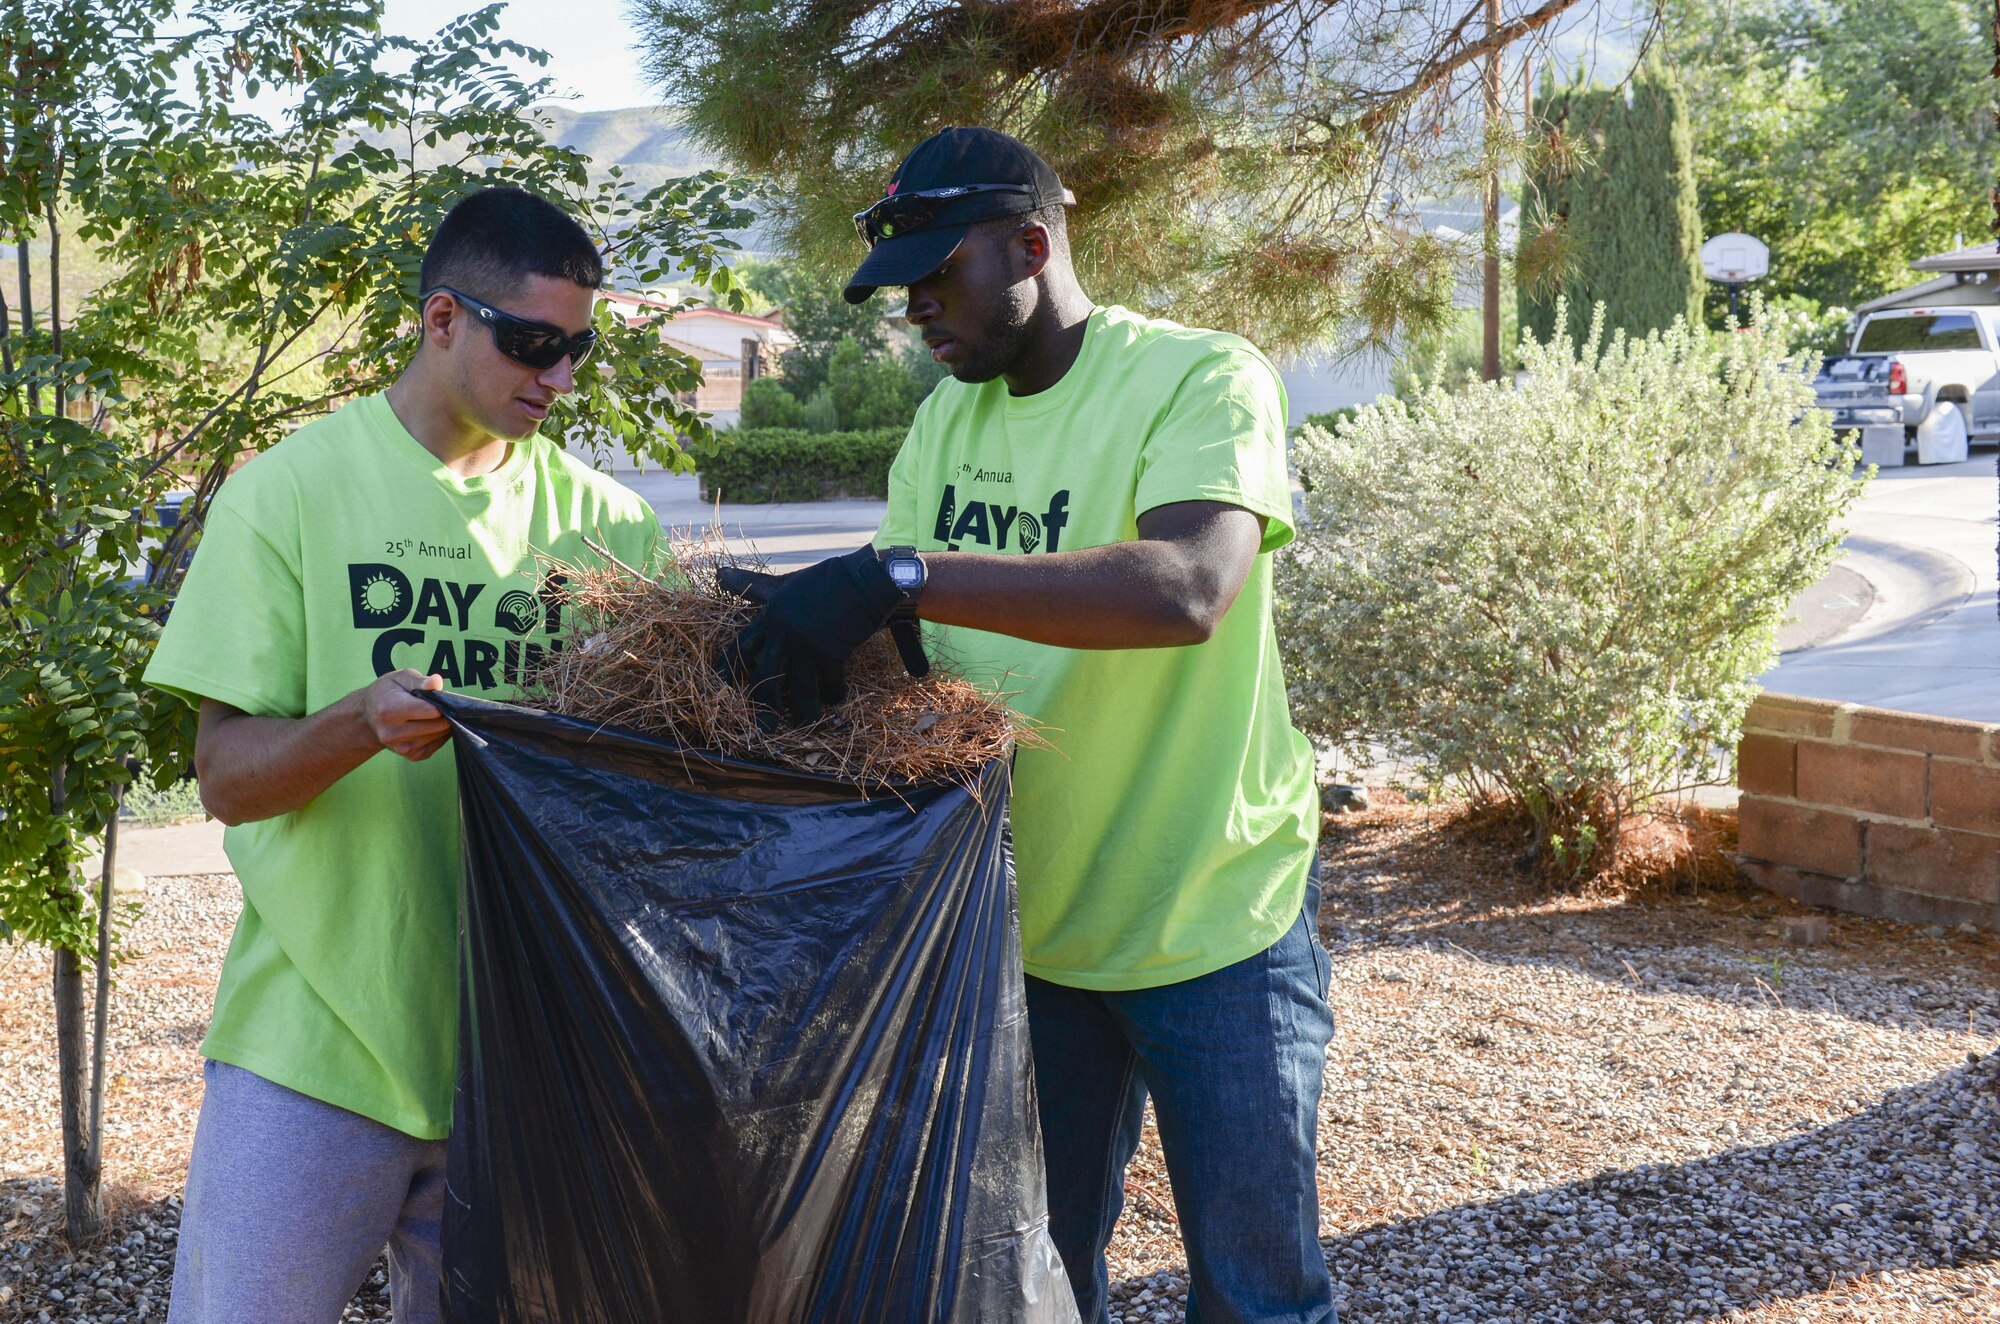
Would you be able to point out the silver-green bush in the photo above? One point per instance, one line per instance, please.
(1558, 594)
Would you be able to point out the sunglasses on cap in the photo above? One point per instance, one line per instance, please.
(535, 345)
(900, 213)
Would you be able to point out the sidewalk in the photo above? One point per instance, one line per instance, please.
(1905, 621)
(166, 852)
(786, 535)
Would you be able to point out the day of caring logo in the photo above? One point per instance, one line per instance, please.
(991, 525)
(400, 611)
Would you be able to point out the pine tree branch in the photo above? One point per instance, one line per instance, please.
(1437, 71)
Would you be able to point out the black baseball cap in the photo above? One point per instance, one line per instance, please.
(949, 182)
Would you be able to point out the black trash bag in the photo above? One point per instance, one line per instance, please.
(736, 1044)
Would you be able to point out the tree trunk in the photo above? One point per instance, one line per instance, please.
(83, 1087)
(1489, 340)
(83, 1191)
(55, 295)
(27, 308)
(6, 338)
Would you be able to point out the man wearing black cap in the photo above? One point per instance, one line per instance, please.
(1085, 518)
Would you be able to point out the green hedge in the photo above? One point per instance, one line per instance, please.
(787, 464)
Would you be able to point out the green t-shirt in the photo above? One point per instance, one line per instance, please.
(1169, 832)
(344, 552)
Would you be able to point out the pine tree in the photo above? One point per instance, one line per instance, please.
(1236, 164)
(1620, 221)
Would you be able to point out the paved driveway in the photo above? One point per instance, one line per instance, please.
(1911, 603)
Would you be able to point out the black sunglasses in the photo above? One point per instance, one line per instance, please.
(535, 345)
(900, 213)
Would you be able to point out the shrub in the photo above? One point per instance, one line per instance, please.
(1809, 328)
(1560, 595)
(871, 392)
(788, 464)
(820, 414)
(1331, 419)
(179, 802)
(768, 403)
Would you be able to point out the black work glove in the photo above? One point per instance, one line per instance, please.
(793, 654)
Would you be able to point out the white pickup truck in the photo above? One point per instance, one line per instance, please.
(1927, 377)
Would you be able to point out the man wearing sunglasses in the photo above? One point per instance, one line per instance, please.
(389, 548)
(1085, 518)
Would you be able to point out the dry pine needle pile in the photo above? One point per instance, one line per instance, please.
(643, 656)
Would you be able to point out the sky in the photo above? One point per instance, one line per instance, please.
(589, 43)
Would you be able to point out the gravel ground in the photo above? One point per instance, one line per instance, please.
(1575, 1110)
(1536, 1110)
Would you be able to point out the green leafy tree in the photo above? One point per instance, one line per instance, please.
(819, 320)
(1852, 137)
(768, 404)
(1234, 164)
(820, 415)
(871, 392)
(1615, 200)
(844, 350)
(259, 273)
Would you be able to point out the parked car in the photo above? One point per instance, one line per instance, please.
(150, 568)
(1933, 372)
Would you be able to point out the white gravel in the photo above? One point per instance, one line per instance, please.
(1535, 1111)
(1570, 1110)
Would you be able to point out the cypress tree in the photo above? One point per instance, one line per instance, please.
(1631, 223)
(1562, 194)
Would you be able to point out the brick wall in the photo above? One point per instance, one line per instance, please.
(1872, 812)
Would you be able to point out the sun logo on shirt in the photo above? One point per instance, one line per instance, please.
(380, 595)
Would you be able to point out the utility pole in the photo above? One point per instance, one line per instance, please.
(1490, 340)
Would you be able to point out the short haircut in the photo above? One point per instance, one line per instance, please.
(493, 240)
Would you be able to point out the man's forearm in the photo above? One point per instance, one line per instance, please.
(252, 768)
(1124, 595)
(1169, 588)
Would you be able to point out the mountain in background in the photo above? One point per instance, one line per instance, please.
(648, 141)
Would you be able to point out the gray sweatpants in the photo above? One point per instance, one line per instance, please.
(289, 1201)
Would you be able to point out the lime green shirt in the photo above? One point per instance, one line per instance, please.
(1169, 831)
(344, 552)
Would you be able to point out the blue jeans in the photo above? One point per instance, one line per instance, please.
(1233, 1061)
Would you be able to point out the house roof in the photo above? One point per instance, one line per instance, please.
(1978, 262)
(705, 353)
(1978, 257)
(1913, 294)
(669, 307)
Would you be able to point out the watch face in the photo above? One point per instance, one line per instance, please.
(906, 574)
